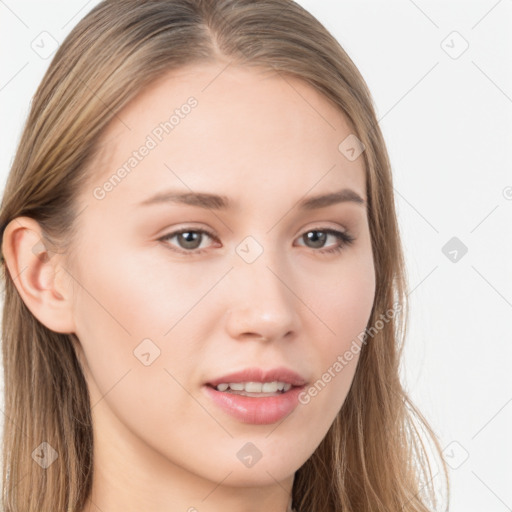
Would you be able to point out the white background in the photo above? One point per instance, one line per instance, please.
(447, 120)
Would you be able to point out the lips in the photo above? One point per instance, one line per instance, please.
(281, 374)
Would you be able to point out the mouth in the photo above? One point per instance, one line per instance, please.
(257, 395)
(256, 408)
(258, 380)
(254, 389)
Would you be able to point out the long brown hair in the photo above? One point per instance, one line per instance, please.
(373, 457)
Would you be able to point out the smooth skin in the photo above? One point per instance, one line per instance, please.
(265, 141)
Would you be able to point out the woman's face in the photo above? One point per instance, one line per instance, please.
(255, 281)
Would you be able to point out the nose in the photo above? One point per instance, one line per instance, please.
(262, 303)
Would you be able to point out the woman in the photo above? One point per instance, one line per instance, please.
(205, 287)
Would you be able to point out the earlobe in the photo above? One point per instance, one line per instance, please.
(33, 268)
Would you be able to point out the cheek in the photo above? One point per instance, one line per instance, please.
(133, 308)
(120, 319)
(131, 366)
(346, 299)
(129, 295)
(343, 309)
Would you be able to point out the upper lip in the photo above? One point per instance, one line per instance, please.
(255, 374)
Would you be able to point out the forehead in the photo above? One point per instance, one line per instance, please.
(249, 128)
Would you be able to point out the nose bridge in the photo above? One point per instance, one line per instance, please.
(261, 301)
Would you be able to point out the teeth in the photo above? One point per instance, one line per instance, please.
(255, 387)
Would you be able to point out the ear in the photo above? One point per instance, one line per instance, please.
(44, 286)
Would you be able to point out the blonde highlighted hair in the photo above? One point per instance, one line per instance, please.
(373, 458)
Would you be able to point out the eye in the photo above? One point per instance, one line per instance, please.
(318, 237)
(189, 240)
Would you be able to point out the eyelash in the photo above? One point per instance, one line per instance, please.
(345, 238)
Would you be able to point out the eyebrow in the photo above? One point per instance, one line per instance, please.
(220, 202)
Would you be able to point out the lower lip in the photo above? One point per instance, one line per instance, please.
(256, 410)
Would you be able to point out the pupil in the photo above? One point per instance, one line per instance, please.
(318, 240)
(188, 236)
